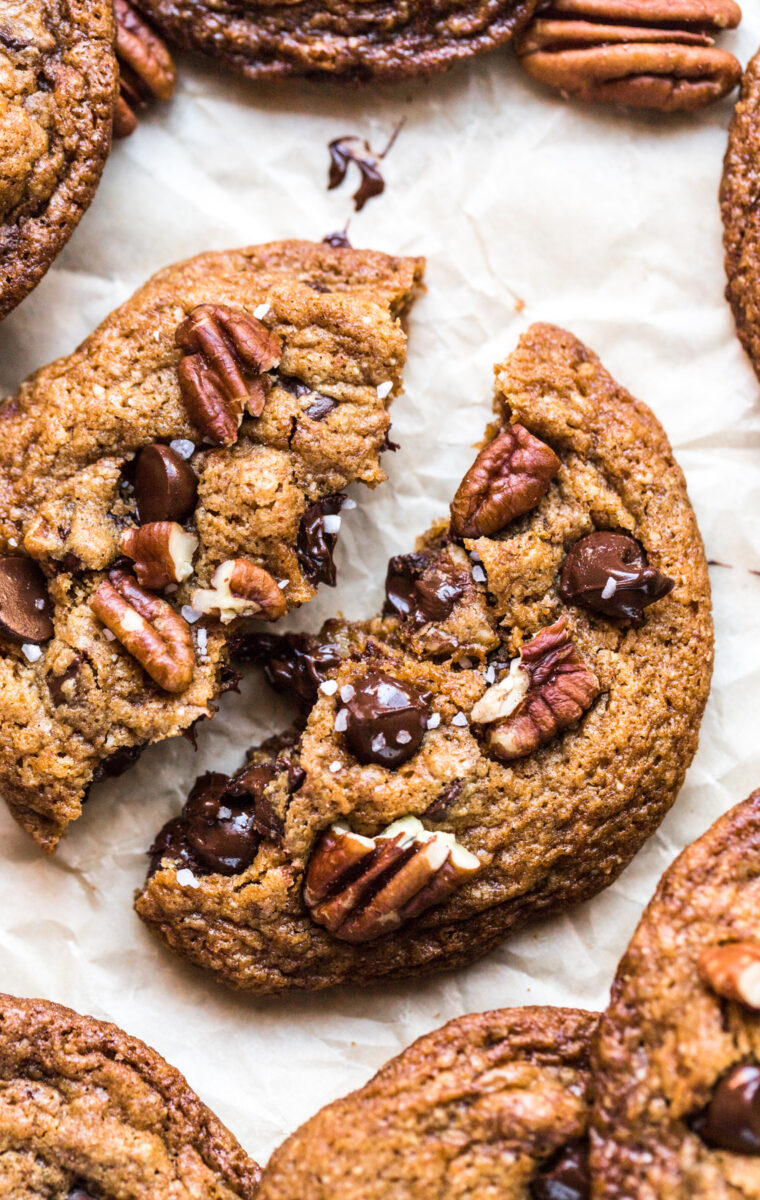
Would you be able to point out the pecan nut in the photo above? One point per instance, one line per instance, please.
(733, 971)
(360, 888)
(149, 628)
(222, 372)
(146, 69)
(547, 689)
(646, 53)
(239, 588)
(507, 479)
(162, 553)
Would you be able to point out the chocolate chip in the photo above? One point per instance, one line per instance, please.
(421, 587)
(315, 546)
(321, 407)
(338, 240)
(251, 783)
(731, 1121)
(25, 609)
(117, 763)
(62, 687)
(220, 828)
(610, 573)
(166, 486)
(567, 1175)
(79, 1193)
(444, 800)
(385, 720)
(294, 663)
(171, 843)
(289, 383)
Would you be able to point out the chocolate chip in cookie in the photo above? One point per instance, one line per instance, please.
(609, 573)
(26, 614)
(385, 719)
(166, 486)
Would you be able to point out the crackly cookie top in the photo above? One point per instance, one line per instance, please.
(267, 39)
(741, 214)
(488, 1105)
(677, 1061)
(58, 80)
(181, 468)
(499, 742)
(88, 1112)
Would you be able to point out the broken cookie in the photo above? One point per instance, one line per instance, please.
(498, 743)
(168, 478)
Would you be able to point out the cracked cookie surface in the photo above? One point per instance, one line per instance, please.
(87, 1112)
(80, 705)
(58, 86)
(668, 1038)
(739, 191)
(551, 794)
(482, 1107)
(359, 42)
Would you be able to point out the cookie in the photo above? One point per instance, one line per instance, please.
(58, 86)
(676, 1063)
(498, 744)
(358, 43)
(741, 216)
(183, 467)
(494, 1104)
(88, 1112)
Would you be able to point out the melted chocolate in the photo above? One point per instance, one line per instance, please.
(421, 588)
(731, 1121)
(26, 614)
(321, 407)
(347, 150)
(567, 1175)
(338, 240)
(314, 547)
(117, 763)
(386, 720)
(294, 663)
(610, 573)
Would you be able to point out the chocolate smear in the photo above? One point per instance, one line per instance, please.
(352, 149)
(316, 543)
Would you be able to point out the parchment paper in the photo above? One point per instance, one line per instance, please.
(527, 208)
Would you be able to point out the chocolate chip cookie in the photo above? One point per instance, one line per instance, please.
(741, 214)
(58, 86)
(88, 1113)
(497, 744)
(677, 1061)
(494, 1104)
(182, 468)
(373, 40)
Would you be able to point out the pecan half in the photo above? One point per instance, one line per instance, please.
(360, 888)
(646, 53)
(145, 65)
(547, 688)
(733, 971)
(222, 373)
(162, 552)
(149, 628)
(507, 479)
(239, 588)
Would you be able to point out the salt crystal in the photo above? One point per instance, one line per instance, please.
(384, 389)
(403, 737)
(459, 719)
(609, 589)
(185, 878)
(39, 603)
(282, 584)
(348, 504)
(331, 523)
(347, 692)
(335, 767)
(190, 614)
(329, 687)
(478, 574)
(110, 637)
(171, 588)
(31, 652)
(12, 542)
(490, 674)
(434, 721)
(262, 310)
(341, 721)
(183, 446)
(378, 742)
(202, 640)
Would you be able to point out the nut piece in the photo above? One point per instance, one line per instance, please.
(240, 589)
(646, 53)
(162, 553)
(507, 479)
(146, 67)
(222, 372)
(360, 888)
(733, 971)
(149, 628)
(546, 689)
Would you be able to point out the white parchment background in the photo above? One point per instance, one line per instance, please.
(606, 222)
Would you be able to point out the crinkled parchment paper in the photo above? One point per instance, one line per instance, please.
(527, 209)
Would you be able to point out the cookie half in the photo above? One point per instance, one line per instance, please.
(87, 1112)
(59, 83)
(741, 213)
(491, 1104)
(498, 744)
(677, 1059)
(357, 42)
(179, 470)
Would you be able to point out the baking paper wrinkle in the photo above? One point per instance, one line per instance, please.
(602, 221)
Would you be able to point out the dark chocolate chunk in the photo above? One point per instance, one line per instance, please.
(251, 783)
(292, 385)
(320, 407)
(386, 719)
(59, 692)
(421, 588)
(610, 573)
(26, 614)
(731, 1121)
(117, 763)
(338, 240)
(171, 843)
(220, 827)
(166, 486)
(294, 663)
(444, 800)
(347, 150)
(567, 1175)
(315, 546)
